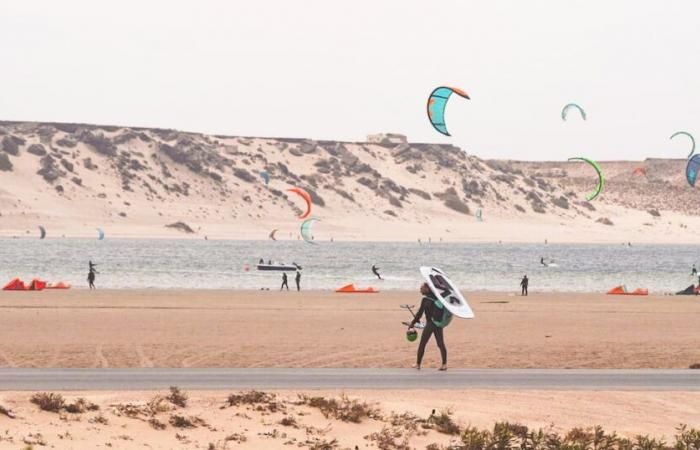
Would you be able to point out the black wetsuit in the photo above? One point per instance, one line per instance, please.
(91, 279)
(432, 312)
(375, 270)
(694, 271)
(298, 280)
(523, 283)
(284, 282)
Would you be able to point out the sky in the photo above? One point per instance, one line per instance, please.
(340, 70)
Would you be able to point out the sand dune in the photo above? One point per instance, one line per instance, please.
(133, 182)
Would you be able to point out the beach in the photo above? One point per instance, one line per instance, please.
(222, 328)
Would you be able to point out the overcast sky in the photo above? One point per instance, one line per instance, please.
(338, 70)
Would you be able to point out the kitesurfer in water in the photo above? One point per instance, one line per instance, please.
(284, 281)
(375, 270)
(433, 314)
(523, 284)
(297, 278)
(542, 261)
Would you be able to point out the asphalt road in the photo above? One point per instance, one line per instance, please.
(214, 379)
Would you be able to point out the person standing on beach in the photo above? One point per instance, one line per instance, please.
(694, 271)
(284, 281)
(375, 270)
(523, 284)
(297, 278)
(91, 275)
(436, 318)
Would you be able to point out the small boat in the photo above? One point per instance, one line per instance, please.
(280, 267)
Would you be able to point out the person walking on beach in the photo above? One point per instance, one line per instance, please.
(523, 284)
(91, 275)
(284, 281)
(297, 278)
(375, 270)
(436, 318)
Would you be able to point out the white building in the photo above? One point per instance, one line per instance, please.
(387, 138)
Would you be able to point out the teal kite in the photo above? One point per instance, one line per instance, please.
(690, 136)
(601, 179)
(436, 106)
(565, 111)
(691, 170)
(305, 230)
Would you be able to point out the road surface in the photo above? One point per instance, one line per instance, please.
(213, 379)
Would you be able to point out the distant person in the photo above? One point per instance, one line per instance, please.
(545, 241)
(434, 315)
(297, 278)
(284, 281)
(694, 271)
(375, 270)
(542, 261)
(262, 261)
(523, 284)
(91, 275)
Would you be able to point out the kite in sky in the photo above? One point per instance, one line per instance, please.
(565, 111)
(436, 106)
(601, 178)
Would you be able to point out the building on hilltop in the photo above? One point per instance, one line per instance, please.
(387, 138)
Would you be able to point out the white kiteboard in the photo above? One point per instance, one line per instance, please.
(447, 292)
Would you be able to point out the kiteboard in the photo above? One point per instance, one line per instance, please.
(446, 292)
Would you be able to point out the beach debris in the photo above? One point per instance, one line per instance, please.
(265, 176)
(601, 178)
(437, 101)
(689, 136)
(565, 111)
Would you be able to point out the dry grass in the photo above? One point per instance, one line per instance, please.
(102, 420)
(80, 406)
(289, 421)
(343, 409)
(443, 422)
(156, 424)
(177, 397)
(48, 401)
(260, 401)
(179, 421)
(390, 439)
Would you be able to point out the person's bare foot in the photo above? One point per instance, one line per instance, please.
(416, 366)
(443, 368)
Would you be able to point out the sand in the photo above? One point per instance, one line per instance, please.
(629, 413)
(162, 328)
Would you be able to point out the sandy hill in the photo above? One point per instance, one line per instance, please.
(132, 182)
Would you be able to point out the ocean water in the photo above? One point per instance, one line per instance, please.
(131, 263)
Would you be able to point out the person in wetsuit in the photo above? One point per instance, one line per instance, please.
(284, 281)
(375, 270)
(523, 284)
(432, 314)
(297, 278)
(542, 261)
(694, 270)
(91, 275)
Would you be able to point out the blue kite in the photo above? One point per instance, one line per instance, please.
(691, 170)
(436, 106)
